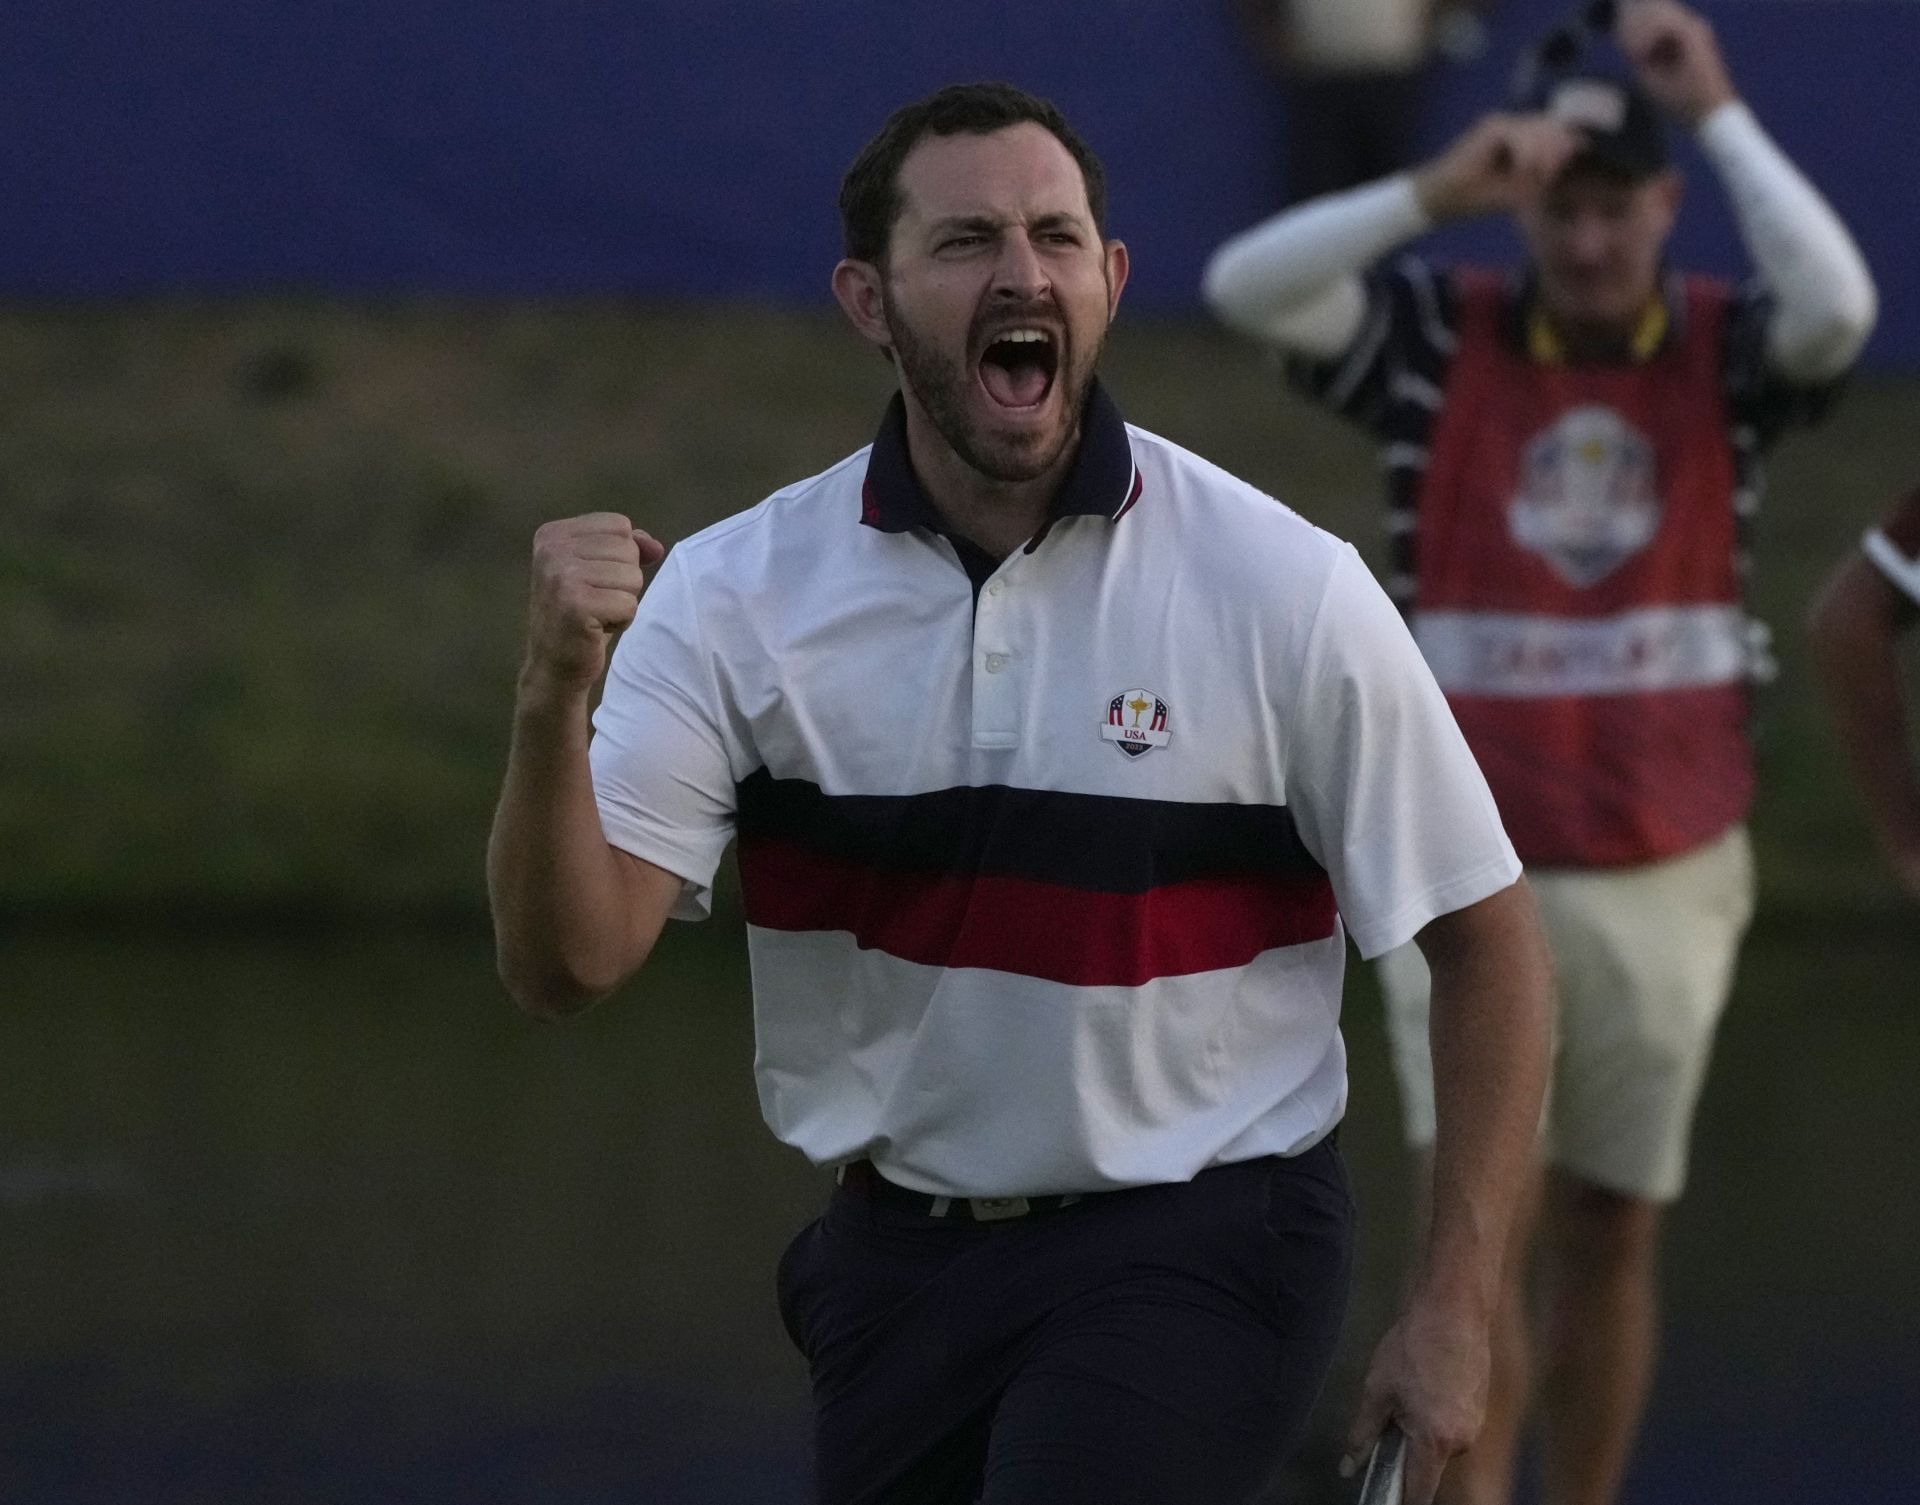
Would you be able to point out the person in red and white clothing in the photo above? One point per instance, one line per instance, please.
(1052, 824)
(1572, 458)
(1870, 600)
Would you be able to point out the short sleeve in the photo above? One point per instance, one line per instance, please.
(661, 772)
(1385, 793)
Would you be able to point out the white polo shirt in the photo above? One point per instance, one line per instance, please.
(1044, 886)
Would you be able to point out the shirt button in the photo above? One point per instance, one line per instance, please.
(996, 662)
(995, 587)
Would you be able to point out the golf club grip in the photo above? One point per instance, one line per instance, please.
(1385, 1479)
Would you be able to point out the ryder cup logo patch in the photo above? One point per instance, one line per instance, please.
(1136, 722)
(1586, 502)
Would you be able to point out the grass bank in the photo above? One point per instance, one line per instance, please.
(262, 567)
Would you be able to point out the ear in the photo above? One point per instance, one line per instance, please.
(1117, 268)
(856, 285)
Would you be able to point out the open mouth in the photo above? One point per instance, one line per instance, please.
(1018, 366)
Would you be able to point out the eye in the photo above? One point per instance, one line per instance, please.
(962, 242)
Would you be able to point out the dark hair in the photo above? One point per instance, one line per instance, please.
(870, 191)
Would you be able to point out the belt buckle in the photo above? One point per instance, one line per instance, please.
(994, 1209)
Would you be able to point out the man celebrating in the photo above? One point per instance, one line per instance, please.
(1060, 763)
(1571, 454)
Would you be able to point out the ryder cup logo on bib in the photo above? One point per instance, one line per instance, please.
(1586, 502)
(1136, 722)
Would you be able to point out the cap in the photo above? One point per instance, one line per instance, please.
(1622, 124)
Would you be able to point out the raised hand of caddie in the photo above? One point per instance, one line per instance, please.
(1499, 163)
(1675, 56)
(588, 573)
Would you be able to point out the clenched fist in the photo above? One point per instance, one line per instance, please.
(588, 573)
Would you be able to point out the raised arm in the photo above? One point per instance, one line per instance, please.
(1293, 281)
(1492, 989)
(1868, 602)
(1825, 303)
(573, 916)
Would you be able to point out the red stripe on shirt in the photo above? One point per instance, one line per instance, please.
(1035, 929)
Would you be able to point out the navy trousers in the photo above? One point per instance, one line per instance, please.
(1156, 1346)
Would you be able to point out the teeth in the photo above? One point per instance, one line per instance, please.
(1023, 337)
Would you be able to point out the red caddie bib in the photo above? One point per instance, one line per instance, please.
(1576, 590)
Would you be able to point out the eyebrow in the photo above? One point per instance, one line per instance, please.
(976, 223)
(988, 225)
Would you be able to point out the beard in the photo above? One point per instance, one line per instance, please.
(940, 384)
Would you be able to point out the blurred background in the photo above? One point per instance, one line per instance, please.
(309, 314)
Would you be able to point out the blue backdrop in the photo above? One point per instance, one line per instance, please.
(691, 148)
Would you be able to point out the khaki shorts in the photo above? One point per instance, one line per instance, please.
(1644, 960)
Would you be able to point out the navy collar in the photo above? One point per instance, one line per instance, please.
(1102, 481)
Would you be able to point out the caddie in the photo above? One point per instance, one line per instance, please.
(1572, 453)
(1061, 765)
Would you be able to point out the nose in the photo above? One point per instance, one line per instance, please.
(1020, 275)
(1589, 241)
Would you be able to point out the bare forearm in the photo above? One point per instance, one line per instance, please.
(563, 920)
(1854, 627)
(1491, 1001)
(1877, 746)
(1491, 995)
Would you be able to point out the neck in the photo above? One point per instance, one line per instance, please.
(1591, 342)
(1554, 337)
(997, 515)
